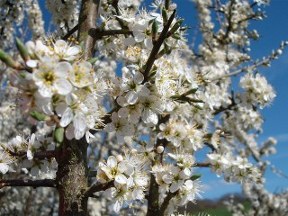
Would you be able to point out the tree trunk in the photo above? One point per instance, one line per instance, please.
(72, 174)
(72, 178)
(87, 23)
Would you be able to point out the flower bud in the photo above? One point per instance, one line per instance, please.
(160, 149)
(119, 158)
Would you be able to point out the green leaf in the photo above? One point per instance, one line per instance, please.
(164, 16)
(38, 116)
(176, 26)
(7, 59)
(195, 177)
(154, 28)
(92, 60)
(59, 135)
(22, 50)
(191, 91)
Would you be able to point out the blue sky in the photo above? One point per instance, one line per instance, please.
(273, 30)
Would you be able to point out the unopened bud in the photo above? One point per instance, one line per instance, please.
(160, 149)
(119, 158)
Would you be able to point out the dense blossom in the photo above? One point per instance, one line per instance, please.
(142, 105)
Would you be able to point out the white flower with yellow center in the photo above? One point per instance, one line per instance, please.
(51, 78)
(66, 52)
(81, 75)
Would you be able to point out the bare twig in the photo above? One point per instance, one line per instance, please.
(27, 183)
(38, 155)
(98, 34)
(202, 164)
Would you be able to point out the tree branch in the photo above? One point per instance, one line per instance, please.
(27, 183)
(97, 188)
(157, 46)
(38, 155)
(166, 202)
(88, 13)
(205, 164)
(98, 34)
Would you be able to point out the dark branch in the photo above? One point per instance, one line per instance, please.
(157, 46)
(202, 164)
(98, 34)
(97, 188)
(27, 183)
(71, 32)
(166, 202)
(37, 155)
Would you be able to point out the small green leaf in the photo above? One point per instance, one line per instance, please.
(92, 60)
(154, 29)
(22, 50)
(195, 177)
(59, 135)
(164, 16)
(7, 59)
(176, 26)
(38, 116)
(191, 91)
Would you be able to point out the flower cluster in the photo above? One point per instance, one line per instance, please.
(234, 169)
(146, 104)
(61, 87)
(129, 182)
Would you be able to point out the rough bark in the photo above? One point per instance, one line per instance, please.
(72, 178)
(88, 16)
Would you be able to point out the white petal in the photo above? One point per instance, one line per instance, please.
(79, 121)
(123, 112)
(29, 154)
(60, 109)
(32, 63)
(63, 86)
(73, 50)
(112, 161)
(121, 179)
(149, 117)
(131, 97)
(148, 43)
(66, 117)
(62, 69)
(4, 168)
(45, 91)
(138, 78)
(117, 206)
(139, 36)
(69, 132)
(174, 187)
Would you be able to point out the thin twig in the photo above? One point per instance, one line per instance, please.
(38, 155)
(157, 46)
(27, 183)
